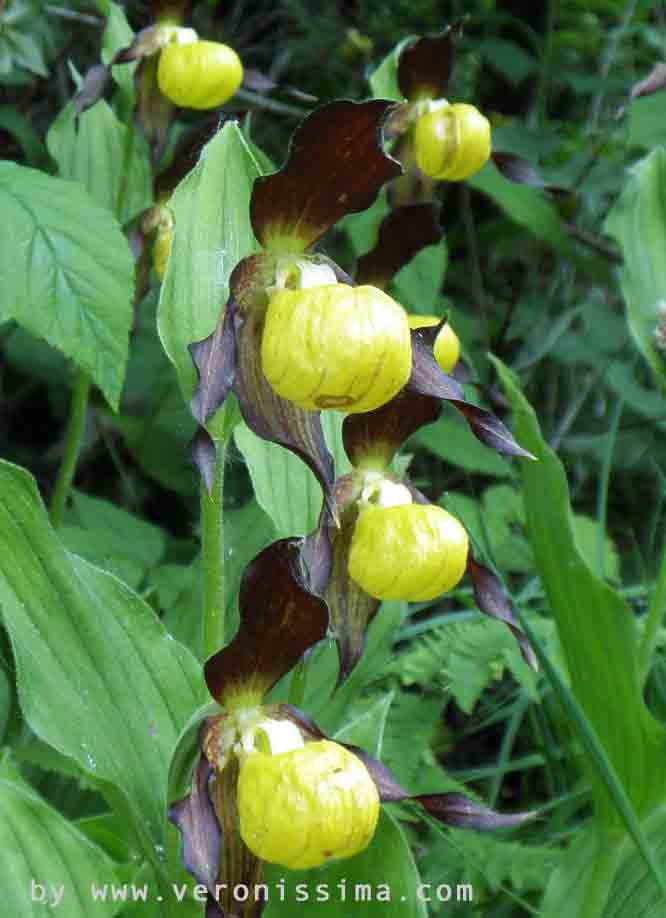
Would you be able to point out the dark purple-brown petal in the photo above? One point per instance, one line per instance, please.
(377, 435)
(215, 361)
(280, 618)
(194, 817)
(492, 600)
(425, 65)
(519, 170)
(351, 608)
(336, 166)
(428, 379)
(404, 232)
(455, 809)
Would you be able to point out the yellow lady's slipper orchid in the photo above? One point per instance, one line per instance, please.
(336, 346)
(410, 551)
(306, 806)
(199, 74)
(451, 141)
(446, 348)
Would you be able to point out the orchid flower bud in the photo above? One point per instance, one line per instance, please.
(336, 346)
(199, 74)
(451, 141)
(306, 806)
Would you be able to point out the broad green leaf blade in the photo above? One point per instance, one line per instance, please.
(597, 758)
(284, 486)
(596, 627)
(418, 285)
(47, 863)
(212, 232)
(380, 882)
(638, 222)
(107, 157)
(527, 206)
(631, 889)
(68, 273)
(99, 678)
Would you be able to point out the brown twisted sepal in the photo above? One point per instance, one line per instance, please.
(493, 601)
(336, 166)
(280, 618)
(453, 809)
(372, 438)
(229, 359)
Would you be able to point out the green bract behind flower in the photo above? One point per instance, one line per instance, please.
(199, 74)
(307, 806)
(451, 141)
(412, 551)
(336, 346)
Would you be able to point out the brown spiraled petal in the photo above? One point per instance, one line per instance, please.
(336, 166)
(428, 379)
(274, 418)
(194, 817)
(92, 89)
(377, 435)
(519, 170)
(493, 601)
(403, 233)
(488, 428)
(351, 608)
(204, 456)
(215, 360)
(653, 82)
(457, 810)
(425, 65)
(390, 791)
(280, 618)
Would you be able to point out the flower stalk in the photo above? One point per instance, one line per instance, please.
(76, 424)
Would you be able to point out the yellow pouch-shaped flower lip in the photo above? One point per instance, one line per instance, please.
(411, 551)
(447, 344)
(336, 346)
(307, 806)
(199, 74)
(451, 141)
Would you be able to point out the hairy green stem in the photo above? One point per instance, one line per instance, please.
(73, 440)
(654, 618)
(212, 559)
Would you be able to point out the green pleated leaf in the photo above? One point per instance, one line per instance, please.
(380, 882)
(284, 486)
(68, 273)
(99, 677)
(212, 233)
(107, 157)
(47, 863)
(595, 626)
(638, 222)
(630, 890)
